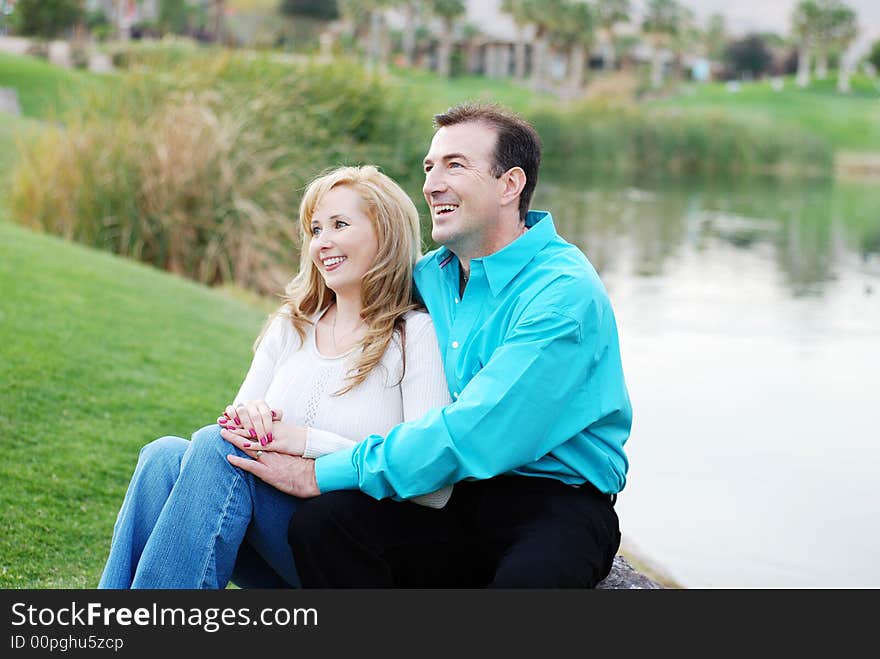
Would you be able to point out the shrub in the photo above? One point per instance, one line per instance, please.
(79, 56)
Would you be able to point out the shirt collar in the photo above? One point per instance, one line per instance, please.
(502, 266)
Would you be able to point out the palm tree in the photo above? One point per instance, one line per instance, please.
(412, 12)
(218, 9)
(448, 11)
(573, 32)
(661, 24)
(685, 38)
(369, 13)
(122, 31)
(805, 21)
(836, 26)
(540, 14)
(608, 13)
(843, 29)
(715, 37)
(518, 11)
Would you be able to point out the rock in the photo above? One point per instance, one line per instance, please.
(623, 576)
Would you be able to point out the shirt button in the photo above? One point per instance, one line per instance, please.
(455, 395)
(456, 300)
(455, 344)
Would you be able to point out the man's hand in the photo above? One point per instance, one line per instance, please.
(287, 473)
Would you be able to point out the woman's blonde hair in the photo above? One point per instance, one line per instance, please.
(386, 288)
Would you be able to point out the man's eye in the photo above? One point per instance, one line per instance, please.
(428, 168)
(455, 164)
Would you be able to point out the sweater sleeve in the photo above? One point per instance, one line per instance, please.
(423, 387)
(266, 357)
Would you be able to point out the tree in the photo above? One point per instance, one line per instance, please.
(412, 13)
(805, 21)
(749, 55)
(519, 13)
(323, 10)
(448, 11)
(874, 55)
(218, 20)
(573, 32)
(540, 14)
(607, 14)
(842, 29)
(715, 37)
(836, 28)
(661, 24)
(46, 18)
(173, 16)
(367, 20)
(686, 37)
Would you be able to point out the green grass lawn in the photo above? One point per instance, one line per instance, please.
(46, 90)
(98, 356)
(445, 92)
(848, 122)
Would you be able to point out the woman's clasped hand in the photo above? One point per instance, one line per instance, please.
(254, 427)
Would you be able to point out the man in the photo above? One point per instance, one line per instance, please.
(533, 439)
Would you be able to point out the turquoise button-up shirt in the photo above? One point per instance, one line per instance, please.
(533, 366)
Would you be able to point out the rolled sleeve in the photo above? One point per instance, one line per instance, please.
(336, 471)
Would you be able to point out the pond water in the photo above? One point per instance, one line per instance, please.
(749, 318)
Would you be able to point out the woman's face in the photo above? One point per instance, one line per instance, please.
(344, 244)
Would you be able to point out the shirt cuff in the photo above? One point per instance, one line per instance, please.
(336, 471)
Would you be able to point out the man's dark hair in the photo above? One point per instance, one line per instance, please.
(518, 144)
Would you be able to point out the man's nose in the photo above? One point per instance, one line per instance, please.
(433, 182)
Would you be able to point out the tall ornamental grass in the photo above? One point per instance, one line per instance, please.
(615, 140)
(199, 169)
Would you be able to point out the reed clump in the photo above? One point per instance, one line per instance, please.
(198, 169)
(624, 140)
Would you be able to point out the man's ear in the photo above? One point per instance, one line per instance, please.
(512, 183)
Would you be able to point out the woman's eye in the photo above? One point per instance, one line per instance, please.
(316, 231)
(340, 224)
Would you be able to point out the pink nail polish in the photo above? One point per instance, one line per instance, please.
(268, 438)
(237, 420)
(274, 414)
(263, 441)
(253, 433)
(246, 444)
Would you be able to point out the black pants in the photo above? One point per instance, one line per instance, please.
(505, 532)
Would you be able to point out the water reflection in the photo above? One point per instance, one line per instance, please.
(810, 228)
(749, 322)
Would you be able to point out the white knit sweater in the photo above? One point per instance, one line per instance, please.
(293, 376)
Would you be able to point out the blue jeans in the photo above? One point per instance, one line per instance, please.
(192, 520)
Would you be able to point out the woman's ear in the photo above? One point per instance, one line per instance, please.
(512, 181)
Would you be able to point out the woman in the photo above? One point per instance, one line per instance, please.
(347, 353)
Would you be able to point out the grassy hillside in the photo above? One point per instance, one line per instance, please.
(848, 122)
(98, 356)
(46, 90)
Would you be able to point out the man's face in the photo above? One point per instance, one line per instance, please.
(462, 193)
